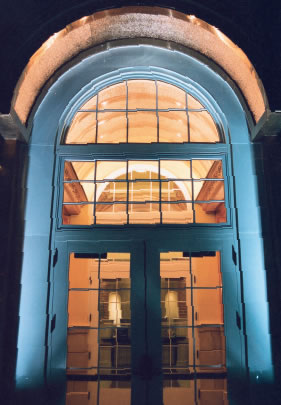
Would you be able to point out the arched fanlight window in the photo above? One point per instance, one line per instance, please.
(142, 111)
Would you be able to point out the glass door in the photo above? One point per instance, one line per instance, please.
(192, 328)
(98, 326)
(145, 325)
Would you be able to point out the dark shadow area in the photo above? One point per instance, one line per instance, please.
(268, 171)
(13, 161)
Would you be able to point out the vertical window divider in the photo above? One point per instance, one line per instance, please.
(98, 390)
(187, 115)
(114, 196)
(157, 112)
(127, 181)
(97, 119)
(160, 191)
(192, 328)
(95, 193)
(127, 115)
(192, 192)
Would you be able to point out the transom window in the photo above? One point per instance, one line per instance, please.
(143, 192)
(142, 111)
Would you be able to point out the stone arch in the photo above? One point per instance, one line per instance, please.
(136, 23)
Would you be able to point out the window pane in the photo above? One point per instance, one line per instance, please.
(82, 351)
(176, 191)
(202, 127)
(79, 392)
(77, 214)
(147, 213)
(208, 190)
(83, 273)
(82, 129)
(210, 212)
(142, 127)
(141, 94)
(206, 271)
(82, 308)
(90, 104)
(112, 127)
(177, 213)
(173, 126)
(110, 169)
(180, 392)
(113, 97)
(143, 169)
(111, 191)
(144, 191)
(193, 103)
(82, 170)
(78, 192)
(207, 169)
(170, 96)
(115, 392)
(115, 214)
(175, 169)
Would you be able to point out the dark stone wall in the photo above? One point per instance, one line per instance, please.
(12, 175)
(268, 158)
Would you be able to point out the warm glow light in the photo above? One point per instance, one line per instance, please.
(148, 111)
(51, 40)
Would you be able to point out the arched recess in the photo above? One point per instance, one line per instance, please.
(136, 23)
(243, 230)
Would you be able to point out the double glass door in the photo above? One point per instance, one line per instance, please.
(145, 324)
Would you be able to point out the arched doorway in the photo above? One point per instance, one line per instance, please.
(60, 104)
